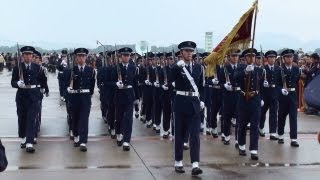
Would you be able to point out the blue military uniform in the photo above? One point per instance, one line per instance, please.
(186, 107)
(270, 96)
(124, 97)
(44, 90)
(288, 104)
(61, 64)
(103, 100)
(81, 89)
(249, 105)
(230, 98)
(214, 101)
(107, 89)
(165, 97)
(157, 106)
(28, 79)
(149, 78)
(66, 82)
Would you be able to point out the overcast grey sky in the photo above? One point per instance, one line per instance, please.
(161, 22)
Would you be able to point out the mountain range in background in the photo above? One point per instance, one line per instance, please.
(266, 40)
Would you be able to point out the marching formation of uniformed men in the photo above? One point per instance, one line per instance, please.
(169, 92)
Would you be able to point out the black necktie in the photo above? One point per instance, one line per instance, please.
(271, 68)
(81, 70)
(188, 68)
(234, 68)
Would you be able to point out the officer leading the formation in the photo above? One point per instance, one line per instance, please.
(82, 82)
(26, 77)
(188, 80)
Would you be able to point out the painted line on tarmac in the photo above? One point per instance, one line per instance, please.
(96, 138)
(203, 164)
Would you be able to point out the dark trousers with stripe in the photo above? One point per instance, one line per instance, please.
(81, 106)
(230, 109)
(124, 120)
(271, 104)
(249, 112)
(288, 106)
(27, 111)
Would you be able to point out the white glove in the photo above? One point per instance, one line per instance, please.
(228, 86)
(202, 105)
(173, 84)
(181, 63)
(21, 84)
(284, 92)
(136, 102)
(215, 81)
(156, 84)
(119, 84)
(147, 82)
(249, 68)
(164, 87)
(265, 84)
(69, 89)
(64, 64)
(262, 103)
(42, 91)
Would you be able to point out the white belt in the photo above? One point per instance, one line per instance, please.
(126, 87)
(236, 88)
(291, 89)
(60, 72)
(79, 91)
(187, 93)
(271, 85)
(31, 86)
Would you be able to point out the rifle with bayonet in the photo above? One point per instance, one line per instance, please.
(118, 63)
(19, 64)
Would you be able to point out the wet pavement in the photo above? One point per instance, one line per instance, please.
(150, 157)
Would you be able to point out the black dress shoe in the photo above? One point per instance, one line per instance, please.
(23, 145)
(214, 135)
(113, 136)
(119, 143)
(185, 147)
(242, 152)
(254, 157)
(236, 146)
(137, 116)
(196, 171)
(165, 136)
(222, 138)
(126, 148)
(280, 141)
(83, 148)
(179, 169)
(273, 138)
(294, 144)
(154, 128)
(76, 144)
(262, 134)
(149, 126)
(226, 142)
(158, 131)
(208, 133)
(30, 150)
